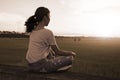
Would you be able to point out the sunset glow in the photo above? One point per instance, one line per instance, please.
(78, 18)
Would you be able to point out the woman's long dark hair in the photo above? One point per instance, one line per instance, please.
(36, 18)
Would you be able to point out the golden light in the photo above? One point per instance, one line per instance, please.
(103, 24)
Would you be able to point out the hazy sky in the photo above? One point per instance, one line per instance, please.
(68, 17)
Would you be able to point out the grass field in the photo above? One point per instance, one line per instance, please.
(96, 56)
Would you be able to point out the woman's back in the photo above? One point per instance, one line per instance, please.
(39, 45)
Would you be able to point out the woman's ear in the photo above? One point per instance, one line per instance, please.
(45, 18)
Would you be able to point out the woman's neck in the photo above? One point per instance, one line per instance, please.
(39, 26)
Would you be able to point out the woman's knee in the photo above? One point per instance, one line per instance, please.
(71, 58)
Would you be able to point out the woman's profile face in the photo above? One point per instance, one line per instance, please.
(47, 19)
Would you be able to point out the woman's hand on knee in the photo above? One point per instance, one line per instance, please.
(72, 53)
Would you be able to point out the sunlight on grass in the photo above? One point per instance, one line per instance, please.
(94, 56)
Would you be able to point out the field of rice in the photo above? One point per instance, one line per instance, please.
(96, 56)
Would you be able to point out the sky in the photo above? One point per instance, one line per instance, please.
(68, 17)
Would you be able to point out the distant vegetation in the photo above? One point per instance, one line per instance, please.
(12, 34)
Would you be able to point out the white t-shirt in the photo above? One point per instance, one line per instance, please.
(39, 45)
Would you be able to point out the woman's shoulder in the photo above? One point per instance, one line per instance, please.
(48, 30)
(43, 30)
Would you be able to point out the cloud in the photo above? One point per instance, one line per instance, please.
(9, 21)
(110, 9)
(8, 18)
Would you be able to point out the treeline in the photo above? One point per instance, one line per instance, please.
(13, 34)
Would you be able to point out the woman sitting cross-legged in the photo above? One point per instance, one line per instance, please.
(43, 54)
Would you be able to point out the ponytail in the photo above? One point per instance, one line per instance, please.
(36, 18)
(30, 23)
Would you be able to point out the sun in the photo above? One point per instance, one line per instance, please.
(105, 25)
(98, 26)
(98, 21)
(104, 32)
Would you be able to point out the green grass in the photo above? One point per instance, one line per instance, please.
(94, 56)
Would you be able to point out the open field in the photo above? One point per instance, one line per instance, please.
(96, 56)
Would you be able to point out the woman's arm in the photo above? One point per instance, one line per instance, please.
(62, 52)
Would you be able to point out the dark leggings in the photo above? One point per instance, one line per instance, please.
(58, 62)
(51, 65)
